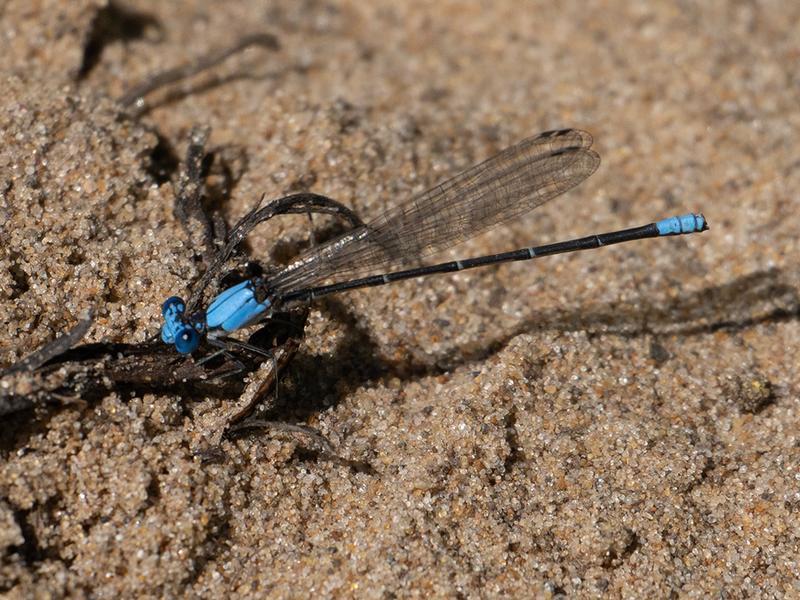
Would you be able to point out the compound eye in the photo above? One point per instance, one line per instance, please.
(173, 304)
(187, 340)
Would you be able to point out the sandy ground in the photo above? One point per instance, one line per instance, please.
(619, 423)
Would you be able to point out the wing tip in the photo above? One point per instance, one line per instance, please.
(577, 137)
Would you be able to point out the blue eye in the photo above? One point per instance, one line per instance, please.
(172, 309)
(173, 304)
(187, 340)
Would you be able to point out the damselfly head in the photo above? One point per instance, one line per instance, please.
(185, 334)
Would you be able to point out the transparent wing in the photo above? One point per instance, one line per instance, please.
(502, 188)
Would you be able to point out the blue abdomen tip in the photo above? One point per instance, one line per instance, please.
(690, 223)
